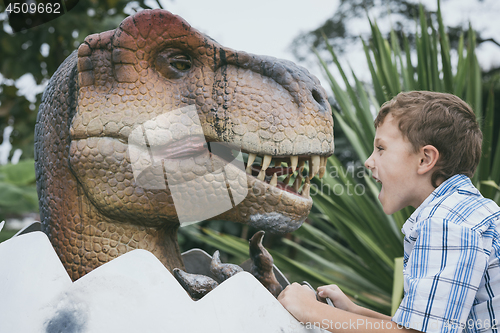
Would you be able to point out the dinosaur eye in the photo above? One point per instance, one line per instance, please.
(181, 62)
(173, 64)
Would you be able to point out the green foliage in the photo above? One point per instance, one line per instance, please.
(21, 54)
(350, 241)
(398, 286)
(357, 223)
(17, 188)
(6, 234)
(342, 29)
(336, 30)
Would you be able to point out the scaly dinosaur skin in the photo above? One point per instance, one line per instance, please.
(91, 207)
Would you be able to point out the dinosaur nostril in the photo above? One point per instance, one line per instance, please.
(318, 98)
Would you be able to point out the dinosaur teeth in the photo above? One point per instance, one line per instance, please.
(251, 159)
(293, 162)
(274, 180)
(297, 183)
(301, 166)
(266, 161)
(322, 167)
(278, 161)
(306, 188)
(315, 165)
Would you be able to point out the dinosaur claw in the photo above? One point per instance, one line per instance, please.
(196, 285)
(256, 246)
(223, 271)
(262, 264)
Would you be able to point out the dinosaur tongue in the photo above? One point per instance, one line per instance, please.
(280, 171)
(284, 187)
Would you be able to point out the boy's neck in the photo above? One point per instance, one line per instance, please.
(425, 191)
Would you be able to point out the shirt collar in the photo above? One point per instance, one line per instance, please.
(455, 183)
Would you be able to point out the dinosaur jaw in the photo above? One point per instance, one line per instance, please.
(278, 198)
(287, 173)
(287, 192)
(279, 171)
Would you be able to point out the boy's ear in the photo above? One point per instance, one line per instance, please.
(429, 156)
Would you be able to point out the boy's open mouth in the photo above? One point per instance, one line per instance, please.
(376, 179)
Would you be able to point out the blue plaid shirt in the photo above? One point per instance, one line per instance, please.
(451, 262)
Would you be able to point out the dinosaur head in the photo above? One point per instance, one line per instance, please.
(144, 75)
(156, 106)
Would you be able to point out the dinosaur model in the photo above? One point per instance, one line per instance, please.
(93, 207)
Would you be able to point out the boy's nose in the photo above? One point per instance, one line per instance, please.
(369, 162)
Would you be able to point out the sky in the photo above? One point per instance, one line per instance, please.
(264, 27)
(268, 27)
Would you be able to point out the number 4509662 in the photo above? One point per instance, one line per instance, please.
(33, 8)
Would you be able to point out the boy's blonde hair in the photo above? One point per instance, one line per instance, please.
(443, 121)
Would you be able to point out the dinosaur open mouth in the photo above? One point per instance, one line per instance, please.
(292, 174)
(288, 173)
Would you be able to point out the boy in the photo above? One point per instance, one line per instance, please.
(427, 146)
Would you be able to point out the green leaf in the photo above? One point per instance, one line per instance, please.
(377, 84)
(433, 63)
(445, 53)
(353, 137)
(423, 48)
(22, 173)
(17, 199)
(382, 56)
(495, 170)
(397, 290)
(411, 84)
(460, 78)
(364, 114)
(491, 183)
(484, 165)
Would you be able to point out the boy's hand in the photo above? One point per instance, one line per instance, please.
(298, 300)
(339, 299)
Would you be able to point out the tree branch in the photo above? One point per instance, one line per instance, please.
(480, 40)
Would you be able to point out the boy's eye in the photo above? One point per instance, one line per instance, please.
(379, 148)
